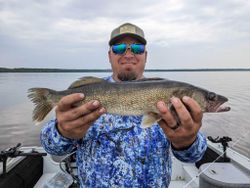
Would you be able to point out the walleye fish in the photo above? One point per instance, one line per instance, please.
(127, 98)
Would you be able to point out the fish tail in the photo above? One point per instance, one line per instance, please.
(42, 98)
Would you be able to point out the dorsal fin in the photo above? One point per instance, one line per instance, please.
(86, 80)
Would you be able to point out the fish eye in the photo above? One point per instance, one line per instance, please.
(211, 96)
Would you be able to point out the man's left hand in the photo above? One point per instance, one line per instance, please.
(190, 121)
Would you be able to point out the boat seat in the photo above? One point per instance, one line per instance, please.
(223, 175)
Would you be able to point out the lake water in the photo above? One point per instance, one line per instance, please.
(16, 110)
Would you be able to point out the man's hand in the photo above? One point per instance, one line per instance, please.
(74, 121)
(185, 134)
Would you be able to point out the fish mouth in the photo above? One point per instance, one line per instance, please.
(220, 108)
(218, 105)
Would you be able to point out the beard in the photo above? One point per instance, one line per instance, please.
(127, 76)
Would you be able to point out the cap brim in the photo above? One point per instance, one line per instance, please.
(113, 40)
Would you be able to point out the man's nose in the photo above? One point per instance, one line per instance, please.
(129, 53)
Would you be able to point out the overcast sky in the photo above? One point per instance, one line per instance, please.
(75, 33)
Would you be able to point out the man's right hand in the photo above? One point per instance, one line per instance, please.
(74, 120)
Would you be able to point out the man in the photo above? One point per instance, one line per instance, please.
(113, 150)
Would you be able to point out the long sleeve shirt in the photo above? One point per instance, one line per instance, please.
(117, 152)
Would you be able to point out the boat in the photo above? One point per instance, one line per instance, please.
(221, 166)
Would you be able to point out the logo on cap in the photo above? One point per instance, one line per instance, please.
(127, 29)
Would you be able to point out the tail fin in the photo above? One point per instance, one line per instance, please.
(41, 97)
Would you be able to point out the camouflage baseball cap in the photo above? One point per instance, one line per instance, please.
(127, 29)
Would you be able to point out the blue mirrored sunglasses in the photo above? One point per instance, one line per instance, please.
(122, 48)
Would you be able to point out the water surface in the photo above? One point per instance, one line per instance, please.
(16, 110)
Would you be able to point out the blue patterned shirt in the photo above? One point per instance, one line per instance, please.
(117, 152)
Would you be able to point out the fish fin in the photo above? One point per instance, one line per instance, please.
(43, 104)
(49, 116)
(85, 81)
(149, 119)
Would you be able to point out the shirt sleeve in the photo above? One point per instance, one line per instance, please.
(195, 152)
(53, 142)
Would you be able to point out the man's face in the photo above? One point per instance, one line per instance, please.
(127, 66)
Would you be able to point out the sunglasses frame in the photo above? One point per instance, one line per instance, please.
(128, 46)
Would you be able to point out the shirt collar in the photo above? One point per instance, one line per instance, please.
(111, 79)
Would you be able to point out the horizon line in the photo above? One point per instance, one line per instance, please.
(25, 69)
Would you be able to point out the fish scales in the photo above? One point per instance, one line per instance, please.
(123, 99)
(126, 99)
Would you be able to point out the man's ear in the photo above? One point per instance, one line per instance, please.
(109, 53)
(146, 56)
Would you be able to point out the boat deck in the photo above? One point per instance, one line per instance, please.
(184, 175)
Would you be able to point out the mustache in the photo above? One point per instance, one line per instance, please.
(127, 61)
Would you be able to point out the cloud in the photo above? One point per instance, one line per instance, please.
(76, 26)
(163, 21)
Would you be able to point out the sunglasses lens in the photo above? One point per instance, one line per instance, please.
(119, 48)
(137, 48)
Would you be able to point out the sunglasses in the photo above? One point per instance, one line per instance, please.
(120, 49)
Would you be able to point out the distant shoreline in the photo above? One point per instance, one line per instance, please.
(48, 70)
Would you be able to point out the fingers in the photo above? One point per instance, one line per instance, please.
(67, 102)
(80, 111)
(190, 116)
(83, 122)
(74, 120)
(166, 114)
(182, 112)
(166, 128)
(194, 107)
(88, 118)
(168, 121)
(188, 112)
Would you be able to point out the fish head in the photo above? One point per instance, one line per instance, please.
(210, 101)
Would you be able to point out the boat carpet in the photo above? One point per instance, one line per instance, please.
(210, 156)
(23, 175)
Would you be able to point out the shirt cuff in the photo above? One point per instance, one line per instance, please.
(194, 152)
(57, 134)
